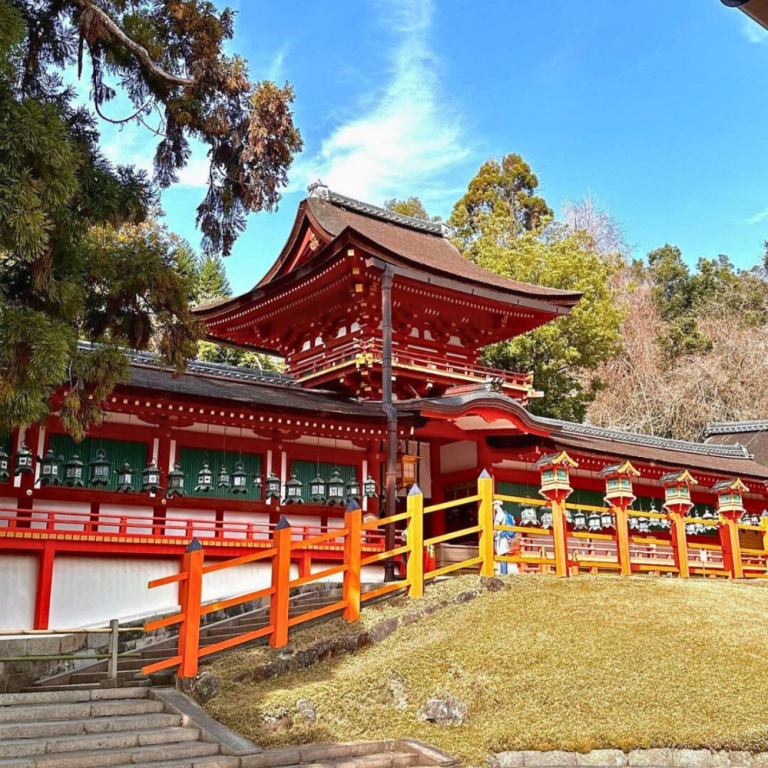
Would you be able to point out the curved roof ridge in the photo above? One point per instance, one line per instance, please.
(734, 427)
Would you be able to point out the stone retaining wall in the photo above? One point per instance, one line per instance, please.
(637, 758)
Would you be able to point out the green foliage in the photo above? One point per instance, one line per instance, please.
(412, 207)
(500, 203)
(559, 352)
(80, 255)
(505, 227)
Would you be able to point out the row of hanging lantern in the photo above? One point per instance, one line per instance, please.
(594, 521)
(332, 492)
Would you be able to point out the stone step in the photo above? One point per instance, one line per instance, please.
(123, 685)
(90, 742)
(95, 677)
(378, 760)
(213, 761)
(69, 696)
(34, 713)
(46, 728)
(150, 754)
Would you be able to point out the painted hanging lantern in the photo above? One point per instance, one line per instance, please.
(23, 461)
(125, 478)
(546, 519)
(150, 478)
(257, 484)
(606, 519)
(100, 469)
(239, 479)
(579, 520)
(555, 474)
(223, 478)
(5, 466)
(407, 469)
(369, 488)
(677, 490)
(204, 479)
(730, 500)
(176, 478)
(50, 468)
(73, 472)
(273, 486)
(528, 517)
(594, 523)
(317, 490)
(336, 487)
(293, 490)
(618, 483)
(353, 489)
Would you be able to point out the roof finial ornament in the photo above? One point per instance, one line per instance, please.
(318, 189)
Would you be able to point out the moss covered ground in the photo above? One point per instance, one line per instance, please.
(582, 663)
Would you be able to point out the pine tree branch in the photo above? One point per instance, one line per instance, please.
(141, 53)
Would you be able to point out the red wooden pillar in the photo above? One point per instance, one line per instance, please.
(44, 586)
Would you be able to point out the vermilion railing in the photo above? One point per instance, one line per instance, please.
(112, 525)
(559, 549)
(366, 352)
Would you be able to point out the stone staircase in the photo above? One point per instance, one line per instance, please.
(129, 666)
(101, 727)
(162, 728)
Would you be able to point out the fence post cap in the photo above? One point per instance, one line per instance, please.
(353, 506)
(194, 545)
(415, 490)
(484, 475)
(282, 523)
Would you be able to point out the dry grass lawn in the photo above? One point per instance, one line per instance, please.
(576, 664)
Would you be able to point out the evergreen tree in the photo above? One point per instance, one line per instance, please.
(412, 207)
(503, 225)
(79, 254)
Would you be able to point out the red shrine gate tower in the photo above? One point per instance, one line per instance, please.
(323, 306)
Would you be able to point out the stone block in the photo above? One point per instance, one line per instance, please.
(15, 647)
(72, 643)
(507, 760)
(759, 760)
(555, 757)
(321, 753)
(97, 640)
(739, 759)
(653, 758)
(44, 646)
(605, 758)
(700, 758)
(271, 758)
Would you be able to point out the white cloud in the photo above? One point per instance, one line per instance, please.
(757, 218)
(753, 31)
(401, 144)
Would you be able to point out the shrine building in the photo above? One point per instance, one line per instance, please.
(380, 322)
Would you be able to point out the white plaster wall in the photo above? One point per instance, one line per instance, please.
(41, 509)
(7, 510)
(90, 591)
(119, 510)
(207, 516)
(260, 519)
(455, 457)
(300, 521)
(237, 581)
(370, 574)
(18, 583)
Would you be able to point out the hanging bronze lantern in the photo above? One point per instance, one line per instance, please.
(317, 492)
(100, 469)
(125, 478)
(238, 480)
(50, 468)
(176, 481)
(273, 486)
(5, 466)
(336, 487)
(369, 488)
(73, 472)
(150, 478)
(223, 479)
(204, 479)
(23, 464)
(293, 490)
(257, 484)
(353, 490)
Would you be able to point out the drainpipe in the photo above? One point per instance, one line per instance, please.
(390, 485)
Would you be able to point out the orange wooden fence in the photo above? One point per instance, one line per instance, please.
(557, 549)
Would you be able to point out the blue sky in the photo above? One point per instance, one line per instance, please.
(658, 108)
